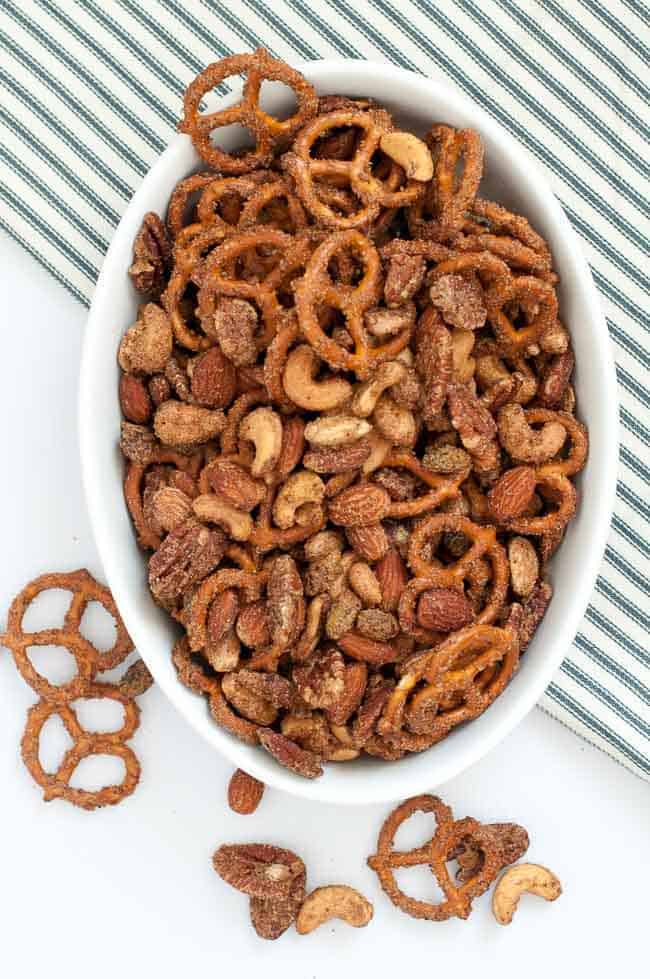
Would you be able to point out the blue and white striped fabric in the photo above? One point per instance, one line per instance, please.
(91, 93)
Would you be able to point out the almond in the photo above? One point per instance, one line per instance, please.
(410, 152)
(339, 460)
(367, 650)
(392, 576)
(244, 793)
(359, 506)
(512, 493)
(293, 445)
(214, 379)
(444, 610)
(370, 543)
(235, 484)
(252, 625)
(134, 400)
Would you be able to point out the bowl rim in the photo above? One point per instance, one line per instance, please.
(239, 754)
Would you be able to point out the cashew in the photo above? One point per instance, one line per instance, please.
(334, 901)
(394, 422)
(212, 509)
(410, 152)
(528, 878)
(301, 386)
(299, 491)
(336, 430)
(365, 583)
(367, 394)
(263, 428)
(490, 370)
(379, 449)
(525, 444)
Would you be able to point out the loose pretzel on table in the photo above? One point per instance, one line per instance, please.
(449, 835)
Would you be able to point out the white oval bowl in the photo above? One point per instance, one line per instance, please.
(512, 179)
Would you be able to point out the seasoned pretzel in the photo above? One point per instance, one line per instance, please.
(251, 583)
(449, 835)
(135, 473)
(86, 743)
(449, 195)
(223, 198)
(499, 221)
(484, 544)
(552, 478)
(445, 487)
(193, 671)
(460, 682)
(220, 278)
(317, 288)
(248, 112)
(515, 340)
(310, 171)
(88, 658)
(177, 209)
(192, 245)
(255, 193)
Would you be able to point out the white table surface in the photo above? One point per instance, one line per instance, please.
(131, 888)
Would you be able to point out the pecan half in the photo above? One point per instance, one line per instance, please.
(151, 256)
(290, 755)
(258, 869)
(185, 557)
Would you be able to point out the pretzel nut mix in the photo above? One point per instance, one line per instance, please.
(350, 436)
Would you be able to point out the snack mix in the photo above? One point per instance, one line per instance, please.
(349, 431)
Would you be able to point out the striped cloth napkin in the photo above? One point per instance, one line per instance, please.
(91, 95)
